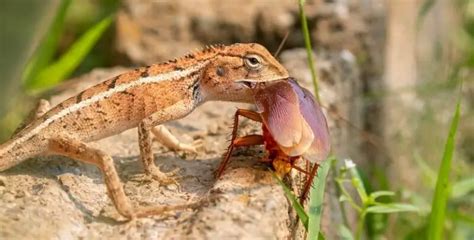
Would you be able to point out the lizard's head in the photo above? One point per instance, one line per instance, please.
(233, 73)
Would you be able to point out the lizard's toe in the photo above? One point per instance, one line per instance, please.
(166, 178)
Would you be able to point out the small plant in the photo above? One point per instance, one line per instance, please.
(367, 202)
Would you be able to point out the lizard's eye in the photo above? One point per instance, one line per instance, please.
(253, 62)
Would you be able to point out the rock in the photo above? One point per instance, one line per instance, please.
(151, 31)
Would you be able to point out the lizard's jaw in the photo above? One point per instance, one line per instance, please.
(248, 83)
(251, 83)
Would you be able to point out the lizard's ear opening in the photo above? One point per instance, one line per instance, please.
(220, 71)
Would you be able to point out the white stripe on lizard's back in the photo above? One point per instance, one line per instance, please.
(119, 88)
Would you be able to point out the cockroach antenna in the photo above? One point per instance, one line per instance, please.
(282, 43)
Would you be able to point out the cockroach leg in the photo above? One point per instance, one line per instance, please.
(249, 140)
(301, 170)
(245, 113)
(240, 112)
(309, 181)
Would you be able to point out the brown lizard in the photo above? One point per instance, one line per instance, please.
(143, 98)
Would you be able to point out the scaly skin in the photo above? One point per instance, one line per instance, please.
(143, 98)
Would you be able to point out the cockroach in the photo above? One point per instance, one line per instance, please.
(293, 128)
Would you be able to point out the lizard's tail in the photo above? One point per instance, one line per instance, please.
(12, 153)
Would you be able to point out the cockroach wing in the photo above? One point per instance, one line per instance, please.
(305, 143)
(313, 115)
(279, 106)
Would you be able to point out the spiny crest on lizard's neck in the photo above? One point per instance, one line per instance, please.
(205, 53)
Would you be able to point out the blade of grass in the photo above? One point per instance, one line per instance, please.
(294, 202)
(309, 48)
(442, 190)
(70, 60)
(317, 199)
(462, 188)
(392, 208)
(46, 50)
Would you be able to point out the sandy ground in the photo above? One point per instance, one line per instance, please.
(58, 198)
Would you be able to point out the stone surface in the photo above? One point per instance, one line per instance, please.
(151, 31)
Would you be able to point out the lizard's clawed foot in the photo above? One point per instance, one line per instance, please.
(163, 178)
(191, 148)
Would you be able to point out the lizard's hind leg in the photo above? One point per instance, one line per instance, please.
(78, 150)
(41, 108)
(165, 137)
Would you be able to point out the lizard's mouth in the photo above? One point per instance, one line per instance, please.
(248, 83)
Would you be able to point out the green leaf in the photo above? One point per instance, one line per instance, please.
(392, 208)
(46, 50)
(321, 236)
(375, 195)
(357, 182)
(345, 233)
(442, 190)
(317, 199)
(343, 198)
(70, 60)
(294, 202)
(462, 188)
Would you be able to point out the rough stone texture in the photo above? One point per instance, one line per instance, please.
(150, 31)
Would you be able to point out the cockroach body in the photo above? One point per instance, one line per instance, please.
(293, 126)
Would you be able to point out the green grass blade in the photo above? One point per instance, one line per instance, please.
(70, 60)
(377, 194)
(317, 199)
(442, 190)
(392, 208)
(46, 50)
(344, 233)
(462, 188)
(309, 48)
(294, 202)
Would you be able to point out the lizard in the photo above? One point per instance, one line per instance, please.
(144, 98)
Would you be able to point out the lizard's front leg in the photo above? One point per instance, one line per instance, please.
(178, 110)
(146, 154)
